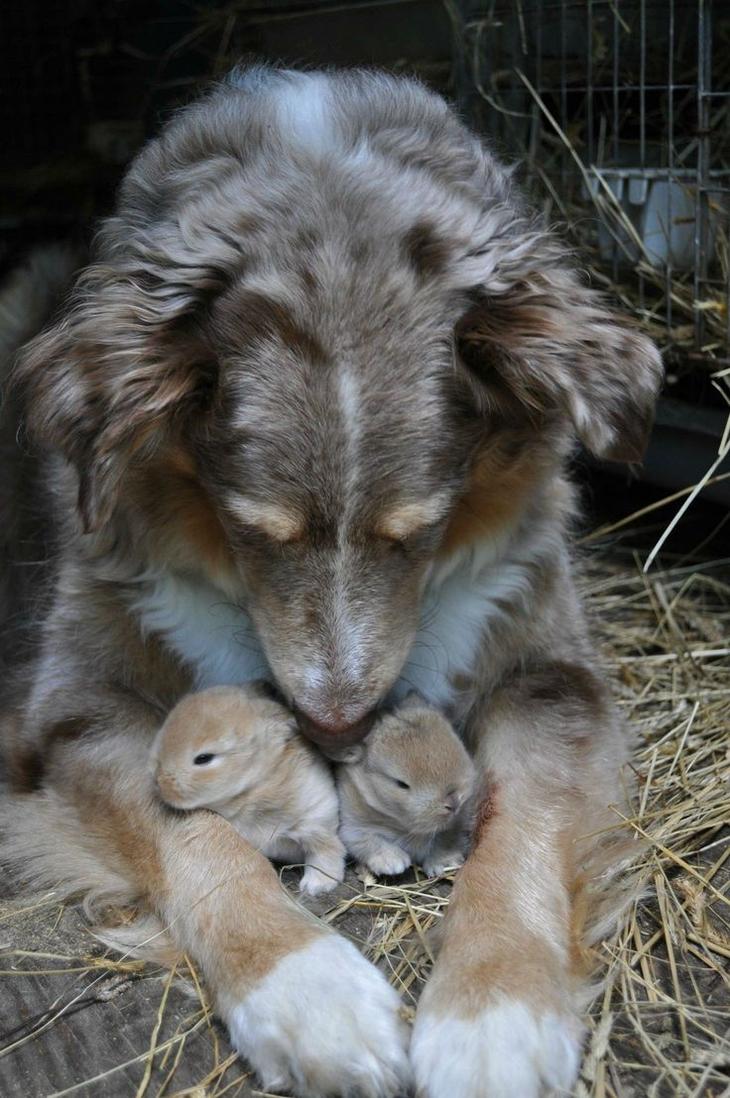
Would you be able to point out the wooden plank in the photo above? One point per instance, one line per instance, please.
(89, 1031)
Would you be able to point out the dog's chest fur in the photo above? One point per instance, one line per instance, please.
(464, 596)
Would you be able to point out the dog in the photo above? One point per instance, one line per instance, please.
(307, 415)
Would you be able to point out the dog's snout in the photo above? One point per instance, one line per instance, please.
(336, 729)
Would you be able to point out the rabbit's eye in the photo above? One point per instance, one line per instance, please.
(203, 758)
(401, 784)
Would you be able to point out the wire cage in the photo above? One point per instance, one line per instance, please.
(620, 111)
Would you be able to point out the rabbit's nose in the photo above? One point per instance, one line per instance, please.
(452, 802)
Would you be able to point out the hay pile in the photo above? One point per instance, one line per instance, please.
(661, 1025)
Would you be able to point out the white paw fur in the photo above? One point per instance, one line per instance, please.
(507, 1051)
(316, 881)
(388, 861)
(324, 1022)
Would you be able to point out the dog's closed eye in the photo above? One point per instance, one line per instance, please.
(270, 519)
(404, 520)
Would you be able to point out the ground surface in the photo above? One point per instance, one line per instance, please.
(77, 1020)
(83, 1022)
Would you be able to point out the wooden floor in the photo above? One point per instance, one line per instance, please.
(73, 1023)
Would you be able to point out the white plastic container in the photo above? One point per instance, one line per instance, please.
(660, 207)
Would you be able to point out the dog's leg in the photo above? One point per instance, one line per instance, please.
(301, 1003)
(500, 1016)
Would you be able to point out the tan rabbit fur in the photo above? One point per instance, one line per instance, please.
(238, 752)
(405, 794)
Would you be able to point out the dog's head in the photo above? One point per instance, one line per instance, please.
(323, 345)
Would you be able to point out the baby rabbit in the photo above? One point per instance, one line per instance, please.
(238, 752)
(405, 793)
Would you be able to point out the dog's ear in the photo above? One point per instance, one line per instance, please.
(111, 381)
(554, 344)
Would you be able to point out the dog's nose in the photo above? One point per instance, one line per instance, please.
(335, 729)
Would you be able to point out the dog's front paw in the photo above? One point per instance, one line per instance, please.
(324, 1022)
(507, 1050)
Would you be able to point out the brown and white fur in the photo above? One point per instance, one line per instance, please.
(238, 752)
(405, 793)
(308, 413)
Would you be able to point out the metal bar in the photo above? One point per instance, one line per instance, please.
(615, 88)
(537, 119)
(704, 83)
(642, 84)
(564, 167)
(589, 82)
(463, 87)
(670, 169)
(538, 52)
(642, 116)
(615, 142)
(555, 88)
